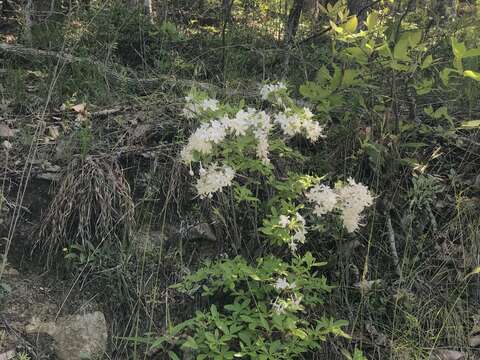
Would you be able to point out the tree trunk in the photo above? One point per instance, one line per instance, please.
(291, 30)
(227, 12)
(293, 21)
(147, 4)
(28, 22)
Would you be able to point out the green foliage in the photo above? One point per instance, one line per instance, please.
(270, 310)
(23, 356)
(246, 325)
(396, 83)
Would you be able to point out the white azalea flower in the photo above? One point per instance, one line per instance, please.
(281, 284)
(284, 221)
(213, 179)
(353, 199)
(324, 198)
(268, 89)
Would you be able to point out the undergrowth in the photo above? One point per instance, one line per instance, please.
(396, 91)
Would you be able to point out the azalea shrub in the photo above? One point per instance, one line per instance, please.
(271, 308)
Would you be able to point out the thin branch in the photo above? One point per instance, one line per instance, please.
(28, 21)
(433, 220)
(18, 50)
(393, 246)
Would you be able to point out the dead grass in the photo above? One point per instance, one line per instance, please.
(92, 206)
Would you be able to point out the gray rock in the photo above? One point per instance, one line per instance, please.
(9, 355)
(76, 337)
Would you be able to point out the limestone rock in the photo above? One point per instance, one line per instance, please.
(76, 336)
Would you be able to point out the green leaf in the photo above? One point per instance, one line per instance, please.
(214, 311)
(445, 75)
(424, 87)
(336, 28)
(351, 25)
(190, 343)
(471, 53)
(337, 77)
(427, 62)
(350, 77)
(457, 64)
(173, 356)
(314, 92)
(401, 48)
(299, 333)
(441, 112)
(458, 48)
(384, 50)
(413, 145)
(414, 38)
(358, 54)
(397, 66)
(179, 327)
(472, 75)
(242, 193)
(470, 124)
(323, 75)
(245, 336)
(372, 20)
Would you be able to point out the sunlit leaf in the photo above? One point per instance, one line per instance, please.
(473, 272)
(472, 75)
(471, 124)
(458, 48)
(372, 20)
(351, 25)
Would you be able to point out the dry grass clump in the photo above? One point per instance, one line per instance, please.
(92, 206)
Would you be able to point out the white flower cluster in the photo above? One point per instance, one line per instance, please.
(293, 123)
(202, 139)
(353, 199)
(297, 224)
(214, 132)
(246, 122)
(280, 306)
(268, 89)
(350, 199)
(194, 107)
(213, 179)
(324, 198)
(283, 284)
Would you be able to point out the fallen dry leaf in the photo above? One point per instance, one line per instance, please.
(7, 145)
(52, 168)
(53, 132)
(6, 132)
(443, 354)
(79, 108)
(10, 39)
(474, 341)
(49, 176)
(367, 285)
